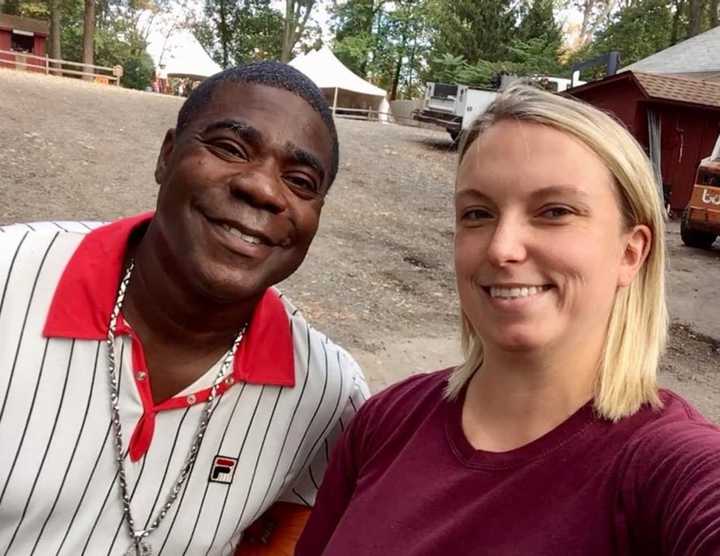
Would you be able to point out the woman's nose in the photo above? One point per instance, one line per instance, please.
(507, 243)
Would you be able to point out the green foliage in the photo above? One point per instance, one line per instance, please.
(238, 31)
(383, 41)
(637, 31)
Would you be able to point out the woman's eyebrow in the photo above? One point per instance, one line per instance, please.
(561, 190)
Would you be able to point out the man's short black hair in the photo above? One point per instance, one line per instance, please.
(271, 74)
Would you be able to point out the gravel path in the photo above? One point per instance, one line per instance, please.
(379, 276)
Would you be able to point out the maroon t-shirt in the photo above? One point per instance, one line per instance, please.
(404, 481)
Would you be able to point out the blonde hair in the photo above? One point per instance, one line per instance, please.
(637, 328)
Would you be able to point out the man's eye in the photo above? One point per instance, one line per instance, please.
(228, 148)
(303, 183)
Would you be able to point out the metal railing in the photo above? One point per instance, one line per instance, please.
(32, 62)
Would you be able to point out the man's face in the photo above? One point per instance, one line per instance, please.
(241, 190)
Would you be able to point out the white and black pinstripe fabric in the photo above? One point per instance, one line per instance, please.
(58, 491)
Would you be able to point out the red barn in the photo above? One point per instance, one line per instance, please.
(20, 39)
(676, 119)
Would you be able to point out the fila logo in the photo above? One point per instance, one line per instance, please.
(708, 198)
(222, 470)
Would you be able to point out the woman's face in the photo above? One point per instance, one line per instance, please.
(540, 246)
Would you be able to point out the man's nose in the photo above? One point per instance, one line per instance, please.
(261, 187)
(508, 242)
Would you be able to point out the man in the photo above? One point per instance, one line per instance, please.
(156, 394)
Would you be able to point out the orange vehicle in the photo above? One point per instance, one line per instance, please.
(700, 224)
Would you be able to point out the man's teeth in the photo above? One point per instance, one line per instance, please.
(514, 293)
(245, 237)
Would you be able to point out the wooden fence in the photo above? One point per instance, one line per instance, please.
(55, 66)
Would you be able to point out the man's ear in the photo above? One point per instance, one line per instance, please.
(637, 247)
(163, 160)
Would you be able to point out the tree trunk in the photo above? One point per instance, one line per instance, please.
(294, 27)
(694, 18)
(55, 32)
(224, 46)
(713, 6)
(675, 31)
(587, 9)
(89, 37)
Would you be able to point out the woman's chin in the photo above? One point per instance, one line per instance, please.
(516, 341)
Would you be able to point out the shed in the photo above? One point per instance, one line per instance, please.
(676, 119)
(21, 38)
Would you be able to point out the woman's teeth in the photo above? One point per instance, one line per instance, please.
(515, 293)
(245, 237)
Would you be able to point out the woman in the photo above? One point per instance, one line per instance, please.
(552, 437)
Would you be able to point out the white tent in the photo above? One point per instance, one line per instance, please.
(346, 89)
(181, 54)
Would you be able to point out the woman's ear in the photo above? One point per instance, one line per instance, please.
(637, 246)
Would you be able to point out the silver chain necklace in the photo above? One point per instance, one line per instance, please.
(140, 545)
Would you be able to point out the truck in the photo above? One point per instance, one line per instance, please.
(454, 106)
(700, 222)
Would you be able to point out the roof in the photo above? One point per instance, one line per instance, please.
(668, 88)
(327, 72)
(181, 54)
(37, 26)
(696, 54)
(682, 89)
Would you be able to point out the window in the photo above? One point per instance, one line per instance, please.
(22, 41)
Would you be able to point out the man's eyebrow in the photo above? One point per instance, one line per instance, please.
(301, 156)
(240, 128)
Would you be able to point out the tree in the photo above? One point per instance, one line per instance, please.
(297, 13)
(55, 29)
(475, 29)
(88, 55)
(636, 31)
(240, 31)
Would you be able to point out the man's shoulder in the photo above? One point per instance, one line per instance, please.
(25, 247)
(315, 347)
(41, 228)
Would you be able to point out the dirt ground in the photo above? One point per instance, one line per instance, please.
(378, 278)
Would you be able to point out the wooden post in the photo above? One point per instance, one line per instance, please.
(47, 65)
(335, 102)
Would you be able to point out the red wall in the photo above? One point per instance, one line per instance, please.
(688, 136)
(5, 42)
(620, 98)
(39, 46)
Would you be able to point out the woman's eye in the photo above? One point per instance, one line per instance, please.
(474, 215)
(556, 212)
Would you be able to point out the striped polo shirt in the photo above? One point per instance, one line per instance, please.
(289, 393)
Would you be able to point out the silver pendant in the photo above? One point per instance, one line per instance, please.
(140, 548)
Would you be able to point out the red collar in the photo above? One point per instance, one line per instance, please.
(85, 296)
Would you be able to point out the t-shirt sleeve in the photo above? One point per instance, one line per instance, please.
(337, 488)
(305, 487)
(676, 475)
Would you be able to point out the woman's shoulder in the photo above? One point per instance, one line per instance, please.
(418, 389)
(675, 436)
(402, 405)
